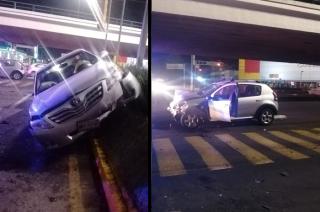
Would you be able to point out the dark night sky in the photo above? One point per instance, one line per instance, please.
(134, 8)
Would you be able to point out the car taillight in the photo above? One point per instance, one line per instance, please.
(275, 96)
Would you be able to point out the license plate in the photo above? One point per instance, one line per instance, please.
(87, 124)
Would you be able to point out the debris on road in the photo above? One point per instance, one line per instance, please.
(284, 174)
(52, 199)
(4, 122)
(259, 181)
(266, 207)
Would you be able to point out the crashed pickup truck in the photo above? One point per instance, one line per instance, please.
(74, 93)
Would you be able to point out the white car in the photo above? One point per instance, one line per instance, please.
(74, 93)
(11, 69)
(225, 101)
(33, 69)
(314, 91)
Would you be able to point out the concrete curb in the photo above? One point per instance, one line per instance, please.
(116, 196)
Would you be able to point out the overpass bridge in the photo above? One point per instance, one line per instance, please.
(276, 30)
(33, 25)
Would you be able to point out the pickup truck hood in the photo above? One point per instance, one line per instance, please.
(61, 92)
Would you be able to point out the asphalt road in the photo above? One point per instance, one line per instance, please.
(237, 166)
(33, 179)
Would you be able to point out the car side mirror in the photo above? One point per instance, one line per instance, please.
(211, 98)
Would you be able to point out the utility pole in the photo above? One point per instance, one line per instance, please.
(107, 14)
(193, 63)
(120, 30)
(143, 37)
(105, 10)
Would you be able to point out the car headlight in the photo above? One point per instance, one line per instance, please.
(41, 123)
(183, 106)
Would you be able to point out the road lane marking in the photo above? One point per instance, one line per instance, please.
(168, 159)
(115, 194)
(7, 113)
(75, 194)
(26, 84)
(295, 140)
(307, 134)
(279, 148)
(18, 83)
(248, 152)
(213, 159)
(23, 99)
(280, 117)
(5, 83)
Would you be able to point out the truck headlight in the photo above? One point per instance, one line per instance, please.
(40, 123)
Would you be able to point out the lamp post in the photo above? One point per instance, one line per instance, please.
(120, 30)
(143, 37)
(301, 78)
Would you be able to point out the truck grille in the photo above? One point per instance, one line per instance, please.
(90, 99)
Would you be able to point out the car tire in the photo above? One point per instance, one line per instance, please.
(16, 75)
(192, 119)
(266, 116)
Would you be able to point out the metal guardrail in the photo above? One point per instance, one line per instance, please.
(63, 12)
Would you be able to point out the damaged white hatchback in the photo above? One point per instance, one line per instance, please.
(74, 93)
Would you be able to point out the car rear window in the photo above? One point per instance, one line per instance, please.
(247, 90)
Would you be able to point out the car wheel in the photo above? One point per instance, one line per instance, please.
(16, 75)
(266, 116)
(192, 119)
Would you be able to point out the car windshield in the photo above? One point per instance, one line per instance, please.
(206, 90)
(63, 69)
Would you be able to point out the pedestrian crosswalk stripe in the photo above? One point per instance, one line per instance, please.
(168, 159)
(212, 158)
(295, 140)
(307, 134)
(248, 152)
(279, 148)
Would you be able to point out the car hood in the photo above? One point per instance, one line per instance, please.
(58, 94)
(187, 94)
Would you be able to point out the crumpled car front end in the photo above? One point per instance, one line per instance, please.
(65, 123)
(63, 112)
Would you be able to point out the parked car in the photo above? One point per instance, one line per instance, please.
(225, 101)
(33, 69)
(314, 91)
(74, 93)
(13, 69)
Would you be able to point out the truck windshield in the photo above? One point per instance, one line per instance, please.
(63, 69)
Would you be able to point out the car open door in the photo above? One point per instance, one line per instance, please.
(223, 103)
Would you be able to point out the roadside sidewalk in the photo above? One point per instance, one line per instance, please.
(121, 154)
